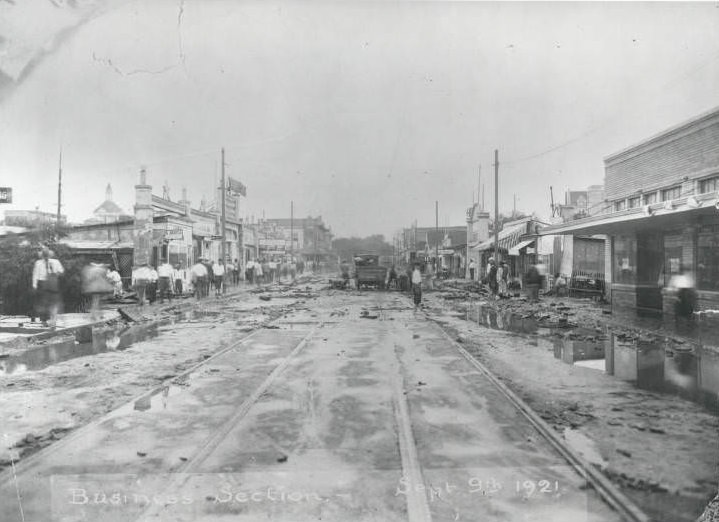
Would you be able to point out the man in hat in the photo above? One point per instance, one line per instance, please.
(45, 281)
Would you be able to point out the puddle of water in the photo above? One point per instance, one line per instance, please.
(691, 372)
(584, 446)
(46, 355)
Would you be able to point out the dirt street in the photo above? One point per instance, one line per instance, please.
(346, 406)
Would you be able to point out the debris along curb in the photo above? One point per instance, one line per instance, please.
(128, 313)
(601, 318)
(604, 487)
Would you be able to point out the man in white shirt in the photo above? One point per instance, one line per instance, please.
(140, 281)
(218, 271)
(164, 277)
(45, 280)
(116, 280)
(198, 273)
(178, 276)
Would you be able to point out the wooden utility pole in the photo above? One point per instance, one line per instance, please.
(292, 230)
(514, 206)
(496, 205)
(59, 189)
(479, 185)
(436, 234)
(224, 189)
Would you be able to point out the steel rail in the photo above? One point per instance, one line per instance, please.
(21, 466)
(604, 487)
(219, 435)
(417, 504)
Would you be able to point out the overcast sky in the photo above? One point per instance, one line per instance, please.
(363, 112)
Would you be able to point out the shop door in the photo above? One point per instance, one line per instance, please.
(650, 271)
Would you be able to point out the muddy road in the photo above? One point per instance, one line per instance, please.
(312, 405)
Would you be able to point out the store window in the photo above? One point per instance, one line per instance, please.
(708, 257)
(633, 202)
(650, 198)
(671, 193)
(625, 260)
(709, 185)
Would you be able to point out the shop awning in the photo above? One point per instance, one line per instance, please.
(508, 237)
(514, 251)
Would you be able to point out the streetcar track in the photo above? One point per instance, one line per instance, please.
(179, 476)
(604, 487)
(417, 503)
(26, 463)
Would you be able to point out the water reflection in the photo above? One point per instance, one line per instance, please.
(690, 371)
(105, 340)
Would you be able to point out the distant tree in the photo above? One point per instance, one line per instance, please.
(346, 247)
(18, 253)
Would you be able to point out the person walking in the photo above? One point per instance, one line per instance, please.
(198, 275)
(218, 274)
(472, 269)
(492, 277)
(116, 280)
(250, 272)
(140, 282)
(503, 279)
(152, 287)
(417, 286)
(178, 277)
(258, 273)
(46, 274)
(236, 272)
(95, 284)
(210, 276)
(273, 270)
(164, 275)
(533, 280)
(392, 278)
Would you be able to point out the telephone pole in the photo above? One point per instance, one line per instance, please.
(292, 230)
(224, 190)
(496, 205)
(59, 189)
(436, 235)
(479, 186)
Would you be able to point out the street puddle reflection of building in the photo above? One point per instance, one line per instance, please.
(689, 370)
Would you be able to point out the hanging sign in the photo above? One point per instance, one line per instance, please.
(236, 186)
(5, 195)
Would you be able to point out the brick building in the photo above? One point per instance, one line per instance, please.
(662, 216)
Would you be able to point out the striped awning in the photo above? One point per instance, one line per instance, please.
(508, 238)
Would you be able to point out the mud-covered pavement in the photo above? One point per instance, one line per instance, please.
(315, 404)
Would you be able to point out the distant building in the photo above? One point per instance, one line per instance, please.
(108, 211)
(31, 218)
(307, 238)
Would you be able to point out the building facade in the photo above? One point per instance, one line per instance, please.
(308, 239)
(661, 217)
